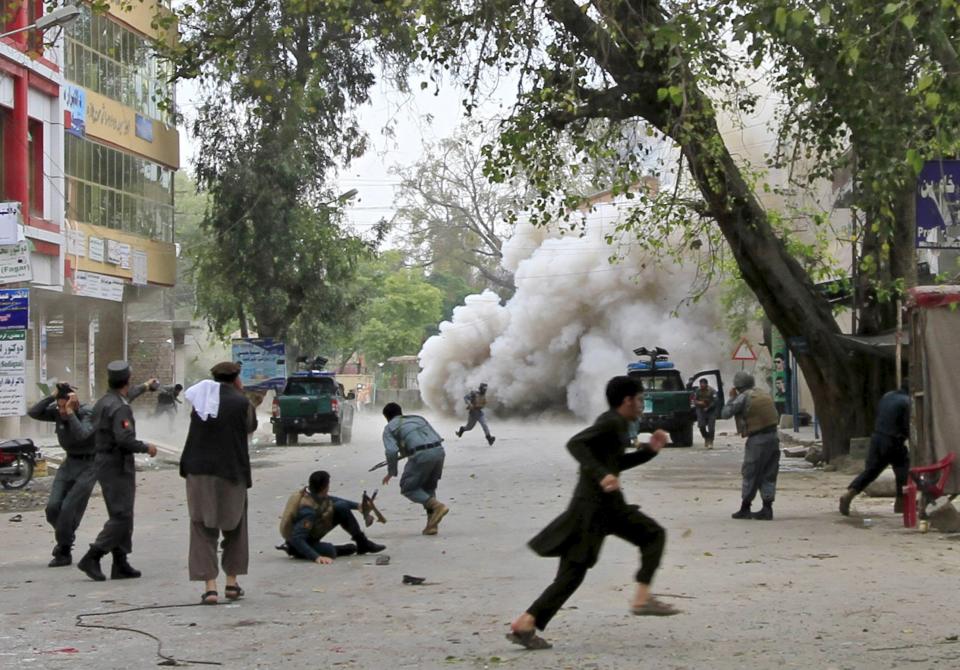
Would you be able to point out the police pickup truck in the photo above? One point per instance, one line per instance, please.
(312, 402)
(667, 400)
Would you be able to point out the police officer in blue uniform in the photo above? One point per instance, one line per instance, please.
(116, 444)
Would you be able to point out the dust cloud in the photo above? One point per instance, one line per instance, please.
(571, 325)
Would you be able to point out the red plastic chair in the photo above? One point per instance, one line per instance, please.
(917, 482)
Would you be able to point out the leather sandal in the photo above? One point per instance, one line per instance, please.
(654, 607)
(528, 640)
(233, 592)
(210, 598)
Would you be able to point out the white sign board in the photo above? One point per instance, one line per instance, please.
(77, 243)
(125, 256)
(96, 249)
(13, 366)
(15, 263)
(139, 267)
(93, 285)
(9, 223)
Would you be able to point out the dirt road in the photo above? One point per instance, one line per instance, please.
(809, 590)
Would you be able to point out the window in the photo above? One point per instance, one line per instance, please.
(105, 57)
(35, 177)
(106, 188)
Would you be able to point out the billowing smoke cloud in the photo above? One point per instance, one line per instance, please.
(571, 325)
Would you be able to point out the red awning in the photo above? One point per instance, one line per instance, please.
(927, 297)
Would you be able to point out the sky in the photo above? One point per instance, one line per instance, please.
(416, 119)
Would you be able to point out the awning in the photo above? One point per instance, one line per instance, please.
(934, 296)
(883, 344)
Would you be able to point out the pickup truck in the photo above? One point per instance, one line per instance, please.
(312, 402)
(667, 400)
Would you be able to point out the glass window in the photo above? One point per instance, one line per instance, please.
(116, 62)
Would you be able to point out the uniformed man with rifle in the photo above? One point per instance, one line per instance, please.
(116, 444)
(413, 438)
(757, 420)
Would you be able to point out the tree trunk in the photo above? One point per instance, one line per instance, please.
(784, 289)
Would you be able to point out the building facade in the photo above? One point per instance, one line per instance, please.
(89, 152)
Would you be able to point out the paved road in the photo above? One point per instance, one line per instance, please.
(810, 590)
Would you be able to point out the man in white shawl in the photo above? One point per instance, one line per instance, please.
(216, 465)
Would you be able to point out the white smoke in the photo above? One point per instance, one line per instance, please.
(571, 325)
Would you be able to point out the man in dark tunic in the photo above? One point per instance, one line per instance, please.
(117, 442)
(599, 509)
(888, 446)
(216, 466)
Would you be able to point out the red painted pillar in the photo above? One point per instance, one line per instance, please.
(16, 147)
(18, 20)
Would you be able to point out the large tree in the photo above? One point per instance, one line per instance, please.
(864, 86)
(272, 125)
(450, 215)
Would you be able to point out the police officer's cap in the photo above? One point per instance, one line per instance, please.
(226, 371)
(118, 372)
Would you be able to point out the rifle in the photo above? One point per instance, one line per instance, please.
(381, 464)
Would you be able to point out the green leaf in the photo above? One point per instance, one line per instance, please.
(925, 82)
(825, 15)
(915, 160)
(892, 7)
(780, 18)
(932, 100)
(909, 20)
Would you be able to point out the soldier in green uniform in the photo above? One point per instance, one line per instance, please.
(757, 419)
(705, 401)
(116, 443)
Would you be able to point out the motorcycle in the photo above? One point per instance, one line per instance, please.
(17, 460)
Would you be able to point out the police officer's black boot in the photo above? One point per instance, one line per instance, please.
(121, 568)
(765, 513)
(744, 512)
(365, 546)
(61, 556)
(90, 564)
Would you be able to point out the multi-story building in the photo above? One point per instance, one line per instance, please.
(121, 150)
(89, 151)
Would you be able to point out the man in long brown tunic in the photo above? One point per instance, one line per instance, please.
(599, 509)
(216, 465)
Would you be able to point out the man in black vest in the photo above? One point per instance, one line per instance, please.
(116, 443)
(216, 465)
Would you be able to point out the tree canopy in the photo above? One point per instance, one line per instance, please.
(860, 88)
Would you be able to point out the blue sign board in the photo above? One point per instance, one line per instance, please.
(263, 362)
(144, 128)
(14, 308)
(75, 101)
(938, 205)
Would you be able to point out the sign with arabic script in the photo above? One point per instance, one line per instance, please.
(938, 205)
(13, 369)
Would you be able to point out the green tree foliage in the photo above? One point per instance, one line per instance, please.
(863, 86)
(271, 127)
(399, 319)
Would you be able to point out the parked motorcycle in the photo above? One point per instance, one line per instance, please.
(17, 460)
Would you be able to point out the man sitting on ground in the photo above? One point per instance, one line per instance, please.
(311, 513)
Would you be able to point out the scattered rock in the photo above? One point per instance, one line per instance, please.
(814, 454)
(943, 516)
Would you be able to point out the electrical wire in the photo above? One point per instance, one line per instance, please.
(166, 659)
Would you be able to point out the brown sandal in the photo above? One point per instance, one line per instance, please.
(233, 592)
(209, 598)
(654, 607)
(528, 640)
